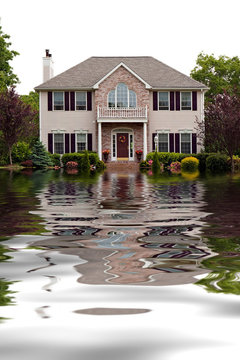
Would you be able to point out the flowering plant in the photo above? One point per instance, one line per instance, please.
(106, 151)
(71, 164)
(175, 167)
(139, 152)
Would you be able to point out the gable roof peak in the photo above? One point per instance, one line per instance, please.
(95, 86)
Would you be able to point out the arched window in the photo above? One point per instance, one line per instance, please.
(121, 97)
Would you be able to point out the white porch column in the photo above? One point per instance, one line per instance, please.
(100, 140)
(144, 141)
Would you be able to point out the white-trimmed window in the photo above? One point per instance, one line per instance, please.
(186, 143)
(122, 97)
(163, 142)
(111, 99)
(132, 99)
(163, 100)
(186, 100)
(81, 140)
(58, 143)
(58, 100)
(81, 100)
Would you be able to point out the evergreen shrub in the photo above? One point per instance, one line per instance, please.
(77, 157)
(217, 163)
(85, 164)
(189, 164)
(56, 159)
(21, 152)
(40, 156)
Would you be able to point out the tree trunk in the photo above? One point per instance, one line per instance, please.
(10, 155)
(232, 164)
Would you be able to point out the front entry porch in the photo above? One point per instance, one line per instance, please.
(122, 141)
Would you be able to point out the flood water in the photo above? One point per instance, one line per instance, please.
(119, 265)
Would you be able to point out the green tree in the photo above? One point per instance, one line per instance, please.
(221, 127)
(156, 163)
(219, 74)
(32, 99)
(85, 164)
(7, 77)
(16, 119)
(40, 156)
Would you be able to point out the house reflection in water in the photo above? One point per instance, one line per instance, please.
(126, 230)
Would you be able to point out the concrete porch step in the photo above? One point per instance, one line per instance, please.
(121, 164)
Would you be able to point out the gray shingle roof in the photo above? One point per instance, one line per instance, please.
(86, 74)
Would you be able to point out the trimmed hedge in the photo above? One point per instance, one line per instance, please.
(167, 158)
(217, 163)
(189, 163)
(56, 159)
(79, 158)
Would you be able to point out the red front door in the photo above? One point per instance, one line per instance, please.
(122, 145)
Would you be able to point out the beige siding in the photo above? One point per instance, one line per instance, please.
(69, 121)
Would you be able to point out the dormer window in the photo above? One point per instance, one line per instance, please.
(122, 97)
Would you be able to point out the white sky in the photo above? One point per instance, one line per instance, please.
(173, 31)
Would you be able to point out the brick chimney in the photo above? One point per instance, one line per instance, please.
(47, 66)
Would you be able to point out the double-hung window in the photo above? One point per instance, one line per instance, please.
(185, 143)
(186, 100)
(163, 142)
(81, 100)
(163, 100)
(58, 100)
(58, 143)
(81, 142)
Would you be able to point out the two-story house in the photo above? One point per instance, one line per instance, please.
(122, 104)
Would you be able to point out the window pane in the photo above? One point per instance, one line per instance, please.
(81, 142)
(163, 142)
(132, 99)
(81, 101)
(58, 144)
(186, 103)
(131, 146)
(185, 137)
(114, 146)
(122, 96)
(163, 100)
(186, 143)
(111, 99)
(58, 100)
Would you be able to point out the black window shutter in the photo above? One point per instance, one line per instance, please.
(66, 143)
(194, 101)
(153, 142)
(50, 107)
(171, 140)
(50, 143)
(89, 101)
(177, 100)
(66, 101)
(171, 100)
(89, 142)
(155, 101)
(73, 143)
(177, 142)
(194, 143)
(72, 98)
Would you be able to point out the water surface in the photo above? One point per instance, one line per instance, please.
(118, 265)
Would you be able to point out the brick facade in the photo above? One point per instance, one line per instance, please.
(137, 134)
(122, 75)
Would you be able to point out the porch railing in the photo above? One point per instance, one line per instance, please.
(104, 112)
